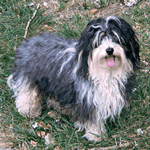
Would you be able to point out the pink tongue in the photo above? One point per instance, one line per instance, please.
(110, 62)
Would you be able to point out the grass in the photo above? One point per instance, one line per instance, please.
(17, 130)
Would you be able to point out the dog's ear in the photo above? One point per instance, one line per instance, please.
(85, 44)
(88, 35)
(97, 22)
(126, 36)
(120, 27)
(94, 25)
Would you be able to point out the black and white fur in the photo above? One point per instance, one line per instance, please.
(74, 74)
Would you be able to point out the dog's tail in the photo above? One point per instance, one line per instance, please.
(10, 81)
(16, 85)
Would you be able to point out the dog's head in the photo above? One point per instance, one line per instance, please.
(109, 45)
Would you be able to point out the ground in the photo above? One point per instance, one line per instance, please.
(68, 18)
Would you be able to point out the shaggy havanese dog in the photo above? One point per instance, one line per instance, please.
(88, 77)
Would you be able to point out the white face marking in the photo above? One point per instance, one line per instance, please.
(100, 56)
(100, 60)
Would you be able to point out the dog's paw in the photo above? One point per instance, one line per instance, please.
(92, 137)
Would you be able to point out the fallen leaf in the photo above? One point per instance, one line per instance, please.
(41, 134)
(49, 140)
(93, 11)
(144, 70)
(45, 4)
(52, 114)
(50, 29)
(145, 63)
(41, 124)
(148, 129)
(48, 126)
(56, 148)
(34, 124)
(58, 129)
(139, 131)
(33, 143)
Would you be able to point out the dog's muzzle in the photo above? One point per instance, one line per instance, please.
(109, 51)
(110, 59)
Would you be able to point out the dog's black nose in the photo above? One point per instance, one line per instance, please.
(109, 51)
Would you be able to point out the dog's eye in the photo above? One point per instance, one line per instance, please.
(90, 29)
(115, 38)
(98, 39)
(101, 36)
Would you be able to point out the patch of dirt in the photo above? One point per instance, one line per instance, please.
(4, 145)
(72, 7)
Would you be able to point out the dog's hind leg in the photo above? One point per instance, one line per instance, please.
(28, 103)
(27, 100)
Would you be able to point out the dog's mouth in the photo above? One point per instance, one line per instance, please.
(110, 60)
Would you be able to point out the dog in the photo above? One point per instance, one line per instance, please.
(89, 77)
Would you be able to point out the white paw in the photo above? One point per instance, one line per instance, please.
(92, 137)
